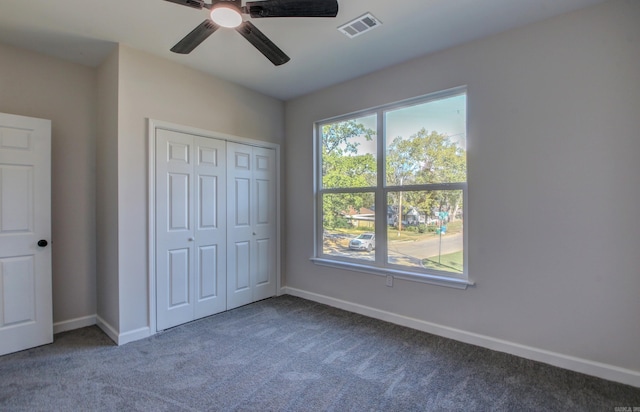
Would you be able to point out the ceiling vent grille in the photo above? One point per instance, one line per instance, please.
(359, 26)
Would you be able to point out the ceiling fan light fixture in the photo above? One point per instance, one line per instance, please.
(226, 15)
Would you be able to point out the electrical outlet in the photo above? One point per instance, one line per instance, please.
(389, 280)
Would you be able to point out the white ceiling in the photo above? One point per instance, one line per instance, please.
(85, 31)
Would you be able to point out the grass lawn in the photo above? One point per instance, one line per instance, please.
(452, 262)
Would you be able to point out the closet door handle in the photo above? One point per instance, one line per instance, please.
(191, 239)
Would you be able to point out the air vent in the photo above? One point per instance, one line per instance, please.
(360, 25)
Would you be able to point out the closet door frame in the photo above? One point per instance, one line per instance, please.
(152, 126)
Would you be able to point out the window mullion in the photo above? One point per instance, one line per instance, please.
(381, 198)
(318, 212)
(429, 186)
(348, 190)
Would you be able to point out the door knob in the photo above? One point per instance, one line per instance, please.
(42, 243)
(191, 239)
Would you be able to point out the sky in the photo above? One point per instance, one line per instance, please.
(446, 116)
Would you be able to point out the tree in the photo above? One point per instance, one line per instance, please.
(343, 166)
(426, 158)
(339, 137)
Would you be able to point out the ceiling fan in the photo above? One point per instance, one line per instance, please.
(228, 13)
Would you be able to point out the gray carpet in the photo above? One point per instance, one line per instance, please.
(290, 354)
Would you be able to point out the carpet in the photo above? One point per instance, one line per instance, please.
(291, 354)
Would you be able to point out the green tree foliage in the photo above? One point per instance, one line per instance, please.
(338, 138)
(343, 166)
(349, 171)
(425, 158)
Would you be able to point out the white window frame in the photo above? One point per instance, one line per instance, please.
(380, 266)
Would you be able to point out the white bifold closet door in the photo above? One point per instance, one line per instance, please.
(190, 227)
(215, 225)
(251, 230)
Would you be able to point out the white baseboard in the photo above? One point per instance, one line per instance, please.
(107, 329)
(134, 335)
(588, 367)
(72, 324)
(122, 338)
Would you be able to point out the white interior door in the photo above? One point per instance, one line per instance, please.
(190, 227)
(251, 234)
(25, 231)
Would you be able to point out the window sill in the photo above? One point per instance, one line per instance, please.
(398, 274)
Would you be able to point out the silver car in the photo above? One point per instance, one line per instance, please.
(365, 241)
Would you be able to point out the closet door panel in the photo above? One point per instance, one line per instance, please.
(178, 185)
(208, 268)
(210, 228)
(252, 212)
(178, 277)
(208, 202)
(263, 250)
(174, 229)
(240, 256)
(264, 228)
(242, 277)
(242, 202)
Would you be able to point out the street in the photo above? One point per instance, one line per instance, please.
(429, 247)
(410, 253)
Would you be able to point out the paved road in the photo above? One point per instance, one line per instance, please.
(407, 252)
(429, 247)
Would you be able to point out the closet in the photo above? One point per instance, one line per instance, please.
(215, 225)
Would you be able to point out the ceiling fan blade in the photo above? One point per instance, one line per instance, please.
(291, 8)
(196, 4)
(197, 36)
(262, 43)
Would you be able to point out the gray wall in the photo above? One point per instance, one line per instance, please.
(107, 282)
(553, 146)
(38, 86)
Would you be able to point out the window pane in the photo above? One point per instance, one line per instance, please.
(348, 225)
(349, 153)
(429, 234)
(426, 143)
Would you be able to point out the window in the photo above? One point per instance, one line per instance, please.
(391, 187)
